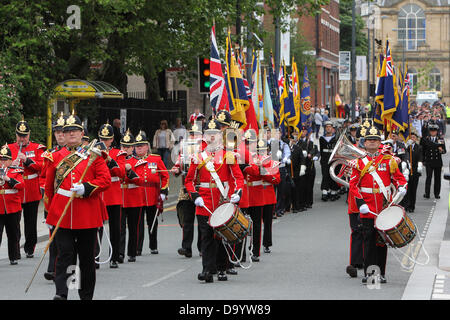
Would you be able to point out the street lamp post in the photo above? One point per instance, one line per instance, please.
(353, 59)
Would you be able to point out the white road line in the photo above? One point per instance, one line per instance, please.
(163, 278)
(441, 296)
(119, 298)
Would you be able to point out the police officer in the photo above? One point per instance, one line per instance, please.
(28, 155)
(78, 229)
(433, 149)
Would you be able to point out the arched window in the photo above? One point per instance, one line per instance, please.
(435, 79)
(411, 26)
(412, 80)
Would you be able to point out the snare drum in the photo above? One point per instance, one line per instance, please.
(230, 223)
(395, 227)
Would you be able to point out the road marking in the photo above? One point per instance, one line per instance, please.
(119, 298)
(170, 275)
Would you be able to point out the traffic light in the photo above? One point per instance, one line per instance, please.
(203, 75)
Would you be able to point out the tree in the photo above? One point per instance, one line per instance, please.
(345, 42)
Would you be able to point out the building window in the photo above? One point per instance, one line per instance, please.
(412, 80)
(435, 79)
(411, 27)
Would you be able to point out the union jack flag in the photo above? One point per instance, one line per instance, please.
(389, 69)
(218, 96)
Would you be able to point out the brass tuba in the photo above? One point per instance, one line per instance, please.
(343, 152)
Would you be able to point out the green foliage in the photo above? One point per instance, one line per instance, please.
(10, 106)
(345, 12)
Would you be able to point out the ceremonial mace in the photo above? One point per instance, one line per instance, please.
(93, 155)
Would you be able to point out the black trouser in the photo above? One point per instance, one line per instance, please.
(130, 218)
(267, 214)
(209, 244)
(299, 196)
(71, 242)
(327, 182)
(188, 209)
(437, 180)
(282, 191)
(374, 252)
(413, 182)
(356, 240)
(309, 193)
(222, 256)
(52, 251)
(10, 222)
(149, 213)
(114, 217)
(256, 215)
(238, 247)
(30, 212)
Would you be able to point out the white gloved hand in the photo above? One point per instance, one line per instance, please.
(408, 143)
(304, 153)
(364, 209)
(406, 174)
(162, 196)
(404, 165)
(302, 170)
(420, 167)
(287, 160)
(402, 190)
(235, 198)
(199, 202)
(78, 188)
(279, 154)
(315, 158)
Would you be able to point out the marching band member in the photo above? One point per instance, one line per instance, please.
(369, 183)
(270, 176)
(154, 178)
(47, 157)
(415, 155)
(298, 164)
(185, 205)
(327, 142)
(214, 173)
(78, 229)
(132, 200)
(28, 155)
(113, 195)
(11, 182)
(312, 155)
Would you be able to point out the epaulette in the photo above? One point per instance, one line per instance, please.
(17, 171)
(121, 152)
(140, 162)
(48, 155)
(40, 146)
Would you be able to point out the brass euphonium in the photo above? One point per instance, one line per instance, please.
(343, 153)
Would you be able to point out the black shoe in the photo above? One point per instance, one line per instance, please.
(274, 216)
(185, 252)
(280, 214)
(364, 279)
(426, 196)
(301, 209)
(352, 271)
(30, 255)
(121, 258)
(437, 197)
(138, 253)
(49, 276)
(232, 271)
(153, 251)
(205, 276)
(113, 265)
(324, 197)
(266, 250)
(221, 276)
(97, 266)
(309, 206)
(383, 279)
(12, 262)
(255, 258)
(131, 259)
(58, 297)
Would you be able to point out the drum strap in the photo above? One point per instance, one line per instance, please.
(210, 167)
(377, 178)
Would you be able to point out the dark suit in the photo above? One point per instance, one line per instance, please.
(310, 175)
(297, 160)
(432, 159)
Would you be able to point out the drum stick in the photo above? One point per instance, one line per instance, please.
(207, 209)
(376, 214)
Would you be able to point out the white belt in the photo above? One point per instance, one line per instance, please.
(8, 191)
(254, 183)
(128, 186)
(370, 190)
(266, 183)
(327, 150)
(211, 185)
(115, 179)
(31, 176)
(66, 193)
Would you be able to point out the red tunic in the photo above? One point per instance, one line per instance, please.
(113, 195)
(270, 177)
(132, 193)
(10, 200)
(86, 212)
(32, 168)
(365, 189)
(227, 172)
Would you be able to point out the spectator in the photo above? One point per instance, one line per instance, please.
(318, 121)
(347, 111)
(179, 130)
(117, 133)
(163, 141)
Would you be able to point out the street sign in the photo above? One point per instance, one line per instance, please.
(361, 68)
(344, 65)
